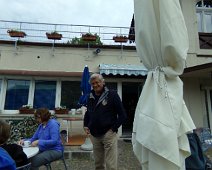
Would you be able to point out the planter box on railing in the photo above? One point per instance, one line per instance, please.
(54, 36)
(14, 33)
(88, 37)
(122, 39)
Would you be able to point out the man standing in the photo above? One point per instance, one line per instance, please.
(105, 114)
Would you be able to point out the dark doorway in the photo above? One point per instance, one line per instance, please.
(130, 94)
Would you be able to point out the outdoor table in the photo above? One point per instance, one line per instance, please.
(69, 120)
(31, 151)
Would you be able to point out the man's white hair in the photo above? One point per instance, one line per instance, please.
(97, 76)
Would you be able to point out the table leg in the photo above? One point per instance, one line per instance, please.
(67, 126)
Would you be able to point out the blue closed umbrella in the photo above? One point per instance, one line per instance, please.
(85, 87)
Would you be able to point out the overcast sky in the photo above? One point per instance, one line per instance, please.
(83, 12)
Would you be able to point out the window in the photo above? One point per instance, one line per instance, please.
(16, 94)
(208, 18)
(70, 94)
(204, 16)
(44, 95)
(208, 104)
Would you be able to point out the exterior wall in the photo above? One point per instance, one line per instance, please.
(71, 59)
(68, 59)
(192, 97)
(194, 60)
(189, 12)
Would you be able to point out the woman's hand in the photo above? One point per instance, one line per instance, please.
(35, 143)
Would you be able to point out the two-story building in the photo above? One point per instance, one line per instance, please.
(42, 72)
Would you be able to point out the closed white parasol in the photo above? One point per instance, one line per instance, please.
(161, 118)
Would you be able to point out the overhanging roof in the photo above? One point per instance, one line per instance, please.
(123, 69)
(203, 71)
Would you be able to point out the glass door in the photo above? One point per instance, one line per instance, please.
(130, 94)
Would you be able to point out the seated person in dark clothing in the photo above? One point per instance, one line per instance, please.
(6, 162)
(14, 150)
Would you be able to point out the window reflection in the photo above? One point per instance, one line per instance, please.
(208, 17)
(17, 94)
(199, 21)
(204, 16)
(45, 93)
(70, 94)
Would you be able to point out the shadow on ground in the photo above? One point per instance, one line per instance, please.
(84, 161)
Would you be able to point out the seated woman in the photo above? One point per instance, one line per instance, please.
(47, 138)
(14, 150)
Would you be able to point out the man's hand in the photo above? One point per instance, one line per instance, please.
(87, 130)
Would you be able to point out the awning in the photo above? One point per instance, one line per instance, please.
(123, 69)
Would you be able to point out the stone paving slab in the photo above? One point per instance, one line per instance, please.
(84, 161)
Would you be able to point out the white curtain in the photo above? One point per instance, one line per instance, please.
(161, 118)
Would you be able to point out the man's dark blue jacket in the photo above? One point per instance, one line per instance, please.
(104, 112)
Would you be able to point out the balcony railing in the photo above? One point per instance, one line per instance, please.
(36, 32)
(205, 40)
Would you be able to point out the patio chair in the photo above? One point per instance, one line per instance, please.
(196, 160)
(204, 135)
(48, 165)
(24, 167)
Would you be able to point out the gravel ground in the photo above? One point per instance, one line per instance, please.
(84, 161)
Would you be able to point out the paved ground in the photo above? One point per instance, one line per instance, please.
(83, 161)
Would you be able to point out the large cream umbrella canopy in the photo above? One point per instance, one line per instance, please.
(161, 118)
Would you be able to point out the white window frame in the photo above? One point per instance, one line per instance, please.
(31, 90)
(202, 11)
(4, 91)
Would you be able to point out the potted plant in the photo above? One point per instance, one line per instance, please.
(89, 37)
(26, 109)
(85, 41)
(16, 33)
(54, 35)
(120, 38)
(61, 110)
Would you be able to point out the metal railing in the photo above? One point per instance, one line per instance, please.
(36, 32)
